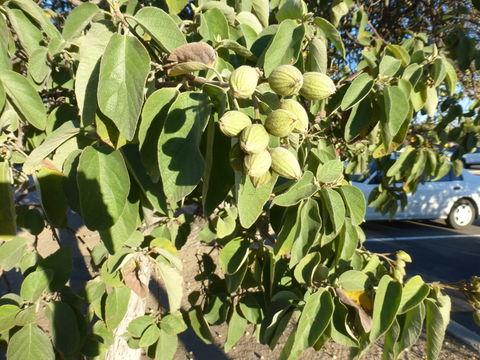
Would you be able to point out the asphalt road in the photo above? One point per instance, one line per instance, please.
(439, 253)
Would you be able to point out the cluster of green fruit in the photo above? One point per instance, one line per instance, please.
(251, 154)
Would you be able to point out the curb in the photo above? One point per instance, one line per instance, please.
(464, 334)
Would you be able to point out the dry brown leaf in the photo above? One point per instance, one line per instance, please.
(359, 300)
(193, 52)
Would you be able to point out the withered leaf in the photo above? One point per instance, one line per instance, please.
(360, 301)
(132, 280)
(199, 52)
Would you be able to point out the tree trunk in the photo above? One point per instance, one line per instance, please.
(120, 350)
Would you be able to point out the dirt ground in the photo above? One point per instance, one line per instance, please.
(190, 346)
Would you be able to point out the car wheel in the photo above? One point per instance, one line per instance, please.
(461, 215)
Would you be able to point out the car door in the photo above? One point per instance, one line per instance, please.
(367, 186)
(432, 197)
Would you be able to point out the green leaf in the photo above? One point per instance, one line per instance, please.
(7, 316)
(137, 326)
(250, 307)
(8, 225)
(385, 306)
(436, 325)
(24, 98)
(451, 77)
(216, 25)
(39, 15)
(336, 208)
(123, 72)
(60, 263)
(173, 284)
(236, 329)
(30, 343)
(199, 325)
(116, 306)
(103, 185)
(38, 67)
(285, 46)
(389, 66)
(114, 237)
(86, 80)
(29, 35)
(411, 324)
(439, 71)
(187, 67)
(226, 225)
(154, 113)
(353, 280)
(354, 202)
(237, 48)
(358, 89)
(63, 326)
(397, 108)
(400, 53)
(307, 231)
(233, 255)
(173, 324)
(305, 269)
(315, 317)
(286, 236)
(332, 34)
(359, 120)
(317, 58)
(49, 183)
(219, 177)
(250, 20)
(414, 292)
(60, 135)
(161, 27)
(149, 336)
(341, 332)
(166, 346)
(251, 200)
(179, 157)
(330, 171)
(261, 10)
(78, 19)
(301, 189)
(175, 6)
(35, 284)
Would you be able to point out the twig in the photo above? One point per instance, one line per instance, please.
(377, 34)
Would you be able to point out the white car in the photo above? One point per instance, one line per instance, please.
(471, 158)
(455, 199)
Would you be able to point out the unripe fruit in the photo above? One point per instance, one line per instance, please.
(285, 164)
(243, 81)
(280, 122)
(257, 165)
(291, 9)
(286, 80)
(262, 180)
(317, 86)
(254, 139)
(236, 157)
(233, 122)
(301, 126)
